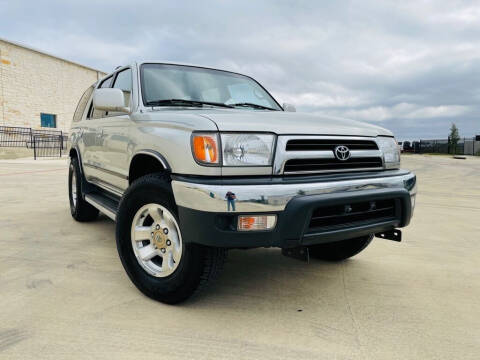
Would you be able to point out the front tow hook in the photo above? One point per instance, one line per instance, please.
(299, 253)
(395, 235)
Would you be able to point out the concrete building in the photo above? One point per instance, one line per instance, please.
(39, 90)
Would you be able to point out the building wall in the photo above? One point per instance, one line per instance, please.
(32, 82)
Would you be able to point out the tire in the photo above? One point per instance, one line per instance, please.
(79, 208)
(340, 250)
(183, 275)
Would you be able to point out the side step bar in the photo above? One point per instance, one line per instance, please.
(103, 203)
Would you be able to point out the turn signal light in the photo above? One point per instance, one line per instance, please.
(257, 222)
(205, 148)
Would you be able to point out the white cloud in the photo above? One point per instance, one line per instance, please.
(437, 111)
(401, 63)
(402, 111)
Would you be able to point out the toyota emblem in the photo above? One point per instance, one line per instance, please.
(342, 152)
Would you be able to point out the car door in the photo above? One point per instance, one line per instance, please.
(78, 122)
(92, 139)
(114, 131)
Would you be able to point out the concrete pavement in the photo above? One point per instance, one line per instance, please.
(65, 295)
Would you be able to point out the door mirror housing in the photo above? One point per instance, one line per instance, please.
(289, 107)
(110, 100)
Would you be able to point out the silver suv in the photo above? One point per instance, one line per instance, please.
(191, 161)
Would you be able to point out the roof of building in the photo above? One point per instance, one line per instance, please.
(48, 54)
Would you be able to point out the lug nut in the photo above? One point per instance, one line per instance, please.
(152, 234)
(169, 243)
(157, 227)
(163, 250)
(165, 231)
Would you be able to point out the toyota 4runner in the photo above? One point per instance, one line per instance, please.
(191, 161)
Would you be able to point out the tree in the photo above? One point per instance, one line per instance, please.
(454, 138)
(407, 145)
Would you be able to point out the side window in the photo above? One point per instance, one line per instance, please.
(90, 110)
(77, 116)
(97, 114)
(123, 81)
(106, 83)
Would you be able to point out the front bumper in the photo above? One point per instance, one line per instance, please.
(205, 219)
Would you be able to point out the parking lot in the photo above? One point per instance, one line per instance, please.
(64, 293)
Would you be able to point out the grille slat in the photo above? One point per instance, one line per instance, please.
(333, 217)
(347, 225)
(324, 144)
(369, 212)
(300, 155)
(299, 165)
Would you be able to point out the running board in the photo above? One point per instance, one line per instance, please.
(103, 203)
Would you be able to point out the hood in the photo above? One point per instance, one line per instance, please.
(283, 123)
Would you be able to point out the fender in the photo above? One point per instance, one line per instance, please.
(154, 154)
(78, 156)
(86, 186)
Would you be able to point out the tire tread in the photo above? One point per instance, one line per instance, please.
(214, 262)
(84, 212)
(203, 266)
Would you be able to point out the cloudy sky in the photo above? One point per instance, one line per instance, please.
(412, 67)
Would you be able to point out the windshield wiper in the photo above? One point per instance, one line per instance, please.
(185, 102)
(252, 105)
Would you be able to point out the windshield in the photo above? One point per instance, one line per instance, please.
(162, 83)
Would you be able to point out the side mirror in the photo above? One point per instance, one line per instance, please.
(110, 100)
(289, 107)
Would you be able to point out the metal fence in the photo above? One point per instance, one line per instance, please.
(44, 143)
(465, 146)
(47, 146)
(12, 136)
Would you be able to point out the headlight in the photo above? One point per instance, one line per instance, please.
(391, 151)
(247, 149)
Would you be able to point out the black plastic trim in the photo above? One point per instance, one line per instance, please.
(107, 201)
(299, 179)
(154, 154)
(79, 157)
(292, 224)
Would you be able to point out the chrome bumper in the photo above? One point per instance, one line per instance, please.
(266, 197)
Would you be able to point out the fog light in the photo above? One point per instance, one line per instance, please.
(257, 222)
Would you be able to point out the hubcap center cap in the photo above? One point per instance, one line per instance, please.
(159, 239)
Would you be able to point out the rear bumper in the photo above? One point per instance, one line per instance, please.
(205, 218)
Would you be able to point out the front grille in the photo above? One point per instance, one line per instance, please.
(344, 216)
(313, 165)
(329, 144)
(316, 154)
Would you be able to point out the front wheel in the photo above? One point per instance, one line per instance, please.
(340, 250)
(151, 248)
